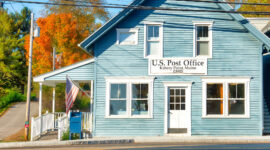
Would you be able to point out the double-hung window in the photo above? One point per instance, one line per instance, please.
(203, 40)
(118, 99)
(224, 97)
(127, 36)
(129, 97)
(153, 40)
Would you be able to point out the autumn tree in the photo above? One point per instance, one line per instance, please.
(88, 18)
(60, 31)
(257, 8)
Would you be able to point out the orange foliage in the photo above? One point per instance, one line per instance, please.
(62, 32)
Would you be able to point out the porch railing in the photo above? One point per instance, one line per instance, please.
(41, 124)
(63, 125)
(57, 115)
(58, 121)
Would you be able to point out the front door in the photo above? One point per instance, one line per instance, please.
(178, 114)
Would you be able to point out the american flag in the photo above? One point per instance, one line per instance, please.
(71, 93)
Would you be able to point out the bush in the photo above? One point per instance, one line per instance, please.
(11, 97)
(65, 135)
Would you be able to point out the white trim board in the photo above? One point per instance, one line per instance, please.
(41, 78)
(168, 85)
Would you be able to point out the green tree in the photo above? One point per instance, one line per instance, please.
(12, 60)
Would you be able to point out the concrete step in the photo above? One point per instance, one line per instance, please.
(50, 135)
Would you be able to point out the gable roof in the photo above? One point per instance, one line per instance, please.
(124, 13)
(42, 77)
(108, 25)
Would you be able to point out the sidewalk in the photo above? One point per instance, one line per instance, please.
(148, 139)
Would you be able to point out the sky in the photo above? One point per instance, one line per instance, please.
(38, 9)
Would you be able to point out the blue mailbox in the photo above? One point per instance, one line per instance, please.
(75, 124)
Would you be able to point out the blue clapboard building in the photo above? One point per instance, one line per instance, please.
(158, 72)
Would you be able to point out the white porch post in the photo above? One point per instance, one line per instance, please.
(91, 105)
(53, 107)
(53, 102)
(40, 100)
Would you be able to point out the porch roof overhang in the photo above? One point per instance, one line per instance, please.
(81, 72)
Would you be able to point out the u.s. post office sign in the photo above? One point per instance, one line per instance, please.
(178, 66)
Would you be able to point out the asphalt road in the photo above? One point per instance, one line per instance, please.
(159, 146)
(13, 120)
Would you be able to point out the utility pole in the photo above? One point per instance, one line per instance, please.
(53, 103)
(27, 113)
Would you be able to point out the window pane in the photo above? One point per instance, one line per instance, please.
(150, 30)
(118, 90)
(139, 107)
(202, 31)
(171, 99)
(177, 100)
(177, 107)
(171, 106)
(183, 106)
(118, 107)
(236, 90)
(153, 32)
(232, 90)
(144, 90)
(202, 47)
(183, 99)
(177, 91)
(153, 48)
(171, 92)
(136, 90)
(214, 90)
(240, 90)
(183, 92)
(237, 107)
(128, 37)
(214, 107)
(139, 90)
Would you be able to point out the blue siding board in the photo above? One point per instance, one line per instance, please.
(236, 52)
(85, 72)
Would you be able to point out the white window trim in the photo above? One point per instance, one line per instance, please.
(210, 34)
(119, 30)
(225, 81)
(129, 81)
(146, 23)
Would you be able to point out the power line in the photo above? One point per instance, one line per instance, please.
(99, 3)
(243, 3)
(141, 7)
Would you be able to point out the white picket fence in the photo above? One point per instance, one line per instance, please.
(41, 124)
(59, 121)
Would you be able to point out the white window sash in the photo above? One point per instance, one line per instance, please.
(203, 39)
(129, 81)
(226, 82)
(160, 39)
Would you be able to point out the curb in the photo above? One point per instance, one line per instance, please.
(62, 143)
